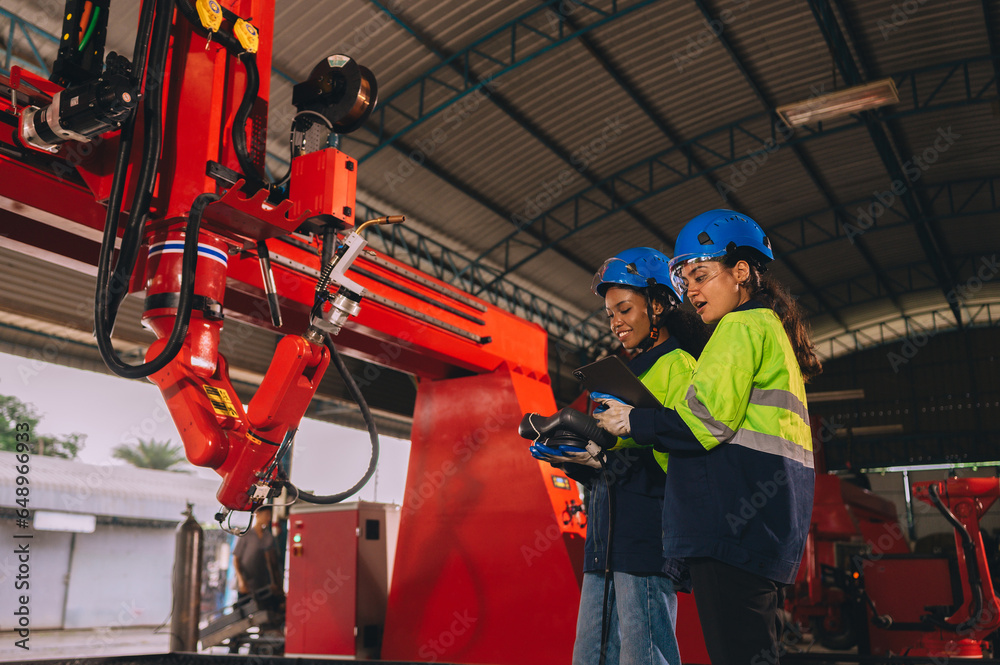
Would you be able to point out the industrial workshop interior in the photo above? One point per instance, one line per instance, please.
(524, 332)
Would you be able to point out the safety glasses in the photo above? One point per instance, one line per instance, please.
(697, 275)
(617, 271)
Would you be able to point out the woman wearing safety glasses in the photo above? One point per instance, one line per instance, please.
(625, 582)
(739, 489)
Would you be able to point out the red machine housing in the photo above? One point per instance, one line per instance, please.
(974, 609)
(339, 562)
(478, 506)
(847, 522)
(860, 585)
(324, 183)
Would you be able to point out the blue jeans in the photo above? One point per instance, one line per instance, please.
(642, 615)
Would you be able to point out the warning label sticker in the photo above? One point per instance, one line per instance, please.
(221, 404)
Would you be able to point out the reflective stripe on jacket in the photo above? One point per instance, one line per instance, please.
(744, 495)
(747, 389)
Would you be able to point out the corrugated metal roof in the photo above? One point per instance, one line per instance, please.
(115, 490)
(482, 161)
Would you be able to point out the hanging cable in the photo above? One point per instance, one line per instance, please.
(152, 140)
(111, 288)
(121, 169)
(239, 128)
(184, 307)
(90, 27)
(971, 564)
(352, 387)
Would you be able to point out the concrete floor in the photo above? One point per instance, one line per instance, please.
(49, 644)
(46, 644)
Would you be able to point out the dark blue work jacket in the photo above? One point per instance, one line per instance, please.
(637, 481)
(739, 486)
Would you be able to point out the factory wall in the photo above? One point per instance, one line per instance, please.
(116, 577)
(940, 392)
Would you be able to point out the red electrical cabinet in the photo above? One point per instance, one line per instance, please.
(339, 567)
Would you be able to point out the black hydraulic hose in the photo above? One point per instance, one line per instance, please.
(124, 146)
(249, 60)
(118, 179)
(352, 387)
(971, 563)
(152, 141)
(184, 306)
(142, 41)
(239, 128)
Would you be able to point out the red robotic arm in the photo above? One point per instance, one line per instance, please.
(189, 248)
(963, 501)
(478, 508)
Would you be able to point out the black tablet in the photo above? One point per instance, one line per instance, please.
(610, 375)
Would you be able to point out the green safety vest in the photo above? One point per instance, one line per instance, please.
(668, 380)
(747, 389)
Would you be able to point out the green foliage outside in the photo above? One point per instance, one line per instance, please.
(14, 412)
(151, 454)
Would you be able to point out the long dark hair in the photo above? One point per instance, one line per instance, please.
(687, 327)
(772, 293)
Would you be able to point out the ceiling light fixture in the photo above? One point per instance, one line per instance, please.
(835, 395)
(841, 103)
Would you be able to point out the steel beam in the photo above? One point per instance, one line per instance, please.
(26, 28)
(501, 102)
(886, 332)
(806, 162)
(522, 40)
(912, 277)
(749, 137)
(955, 199)
(930, 240)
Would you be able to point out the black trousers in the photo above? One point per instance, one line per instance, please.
(738, 612)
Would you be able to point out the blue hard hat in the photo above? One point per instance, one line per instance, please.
(638, 267)
(714, 234)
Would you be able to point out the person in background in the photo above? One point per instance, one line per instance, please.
(258, 572)
(740, 436)
(255, 558)
(643, 314)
